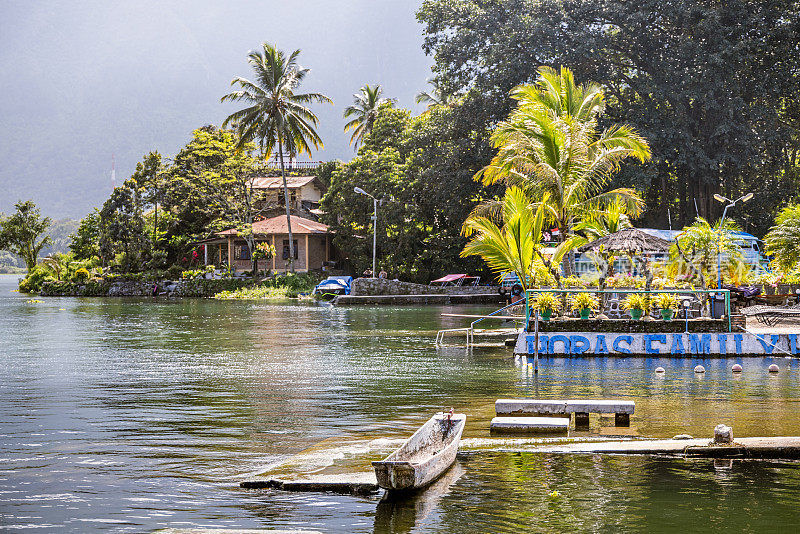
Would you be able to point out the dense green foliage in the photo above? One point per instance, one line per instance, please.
(712, 85)
(421, 167)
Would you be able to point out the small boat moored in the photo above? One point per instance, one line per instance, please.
(423, 457)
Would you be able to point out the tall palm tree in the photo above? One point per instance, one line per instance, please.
(517, 245)
(275, 113)
(364, 110)
(551, 144)
(437, 96)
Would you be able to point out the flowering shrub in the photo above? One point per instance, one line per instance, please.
(81, 275)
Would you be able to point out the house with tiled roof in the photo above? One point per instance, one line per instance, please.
(313, 250)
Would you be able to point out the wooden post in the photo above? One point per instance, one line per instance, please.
(276, 253)
(230, 251)
(536, 344)
(308, 266)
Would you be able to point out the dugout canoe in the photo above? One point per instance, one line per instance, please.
(424, 456)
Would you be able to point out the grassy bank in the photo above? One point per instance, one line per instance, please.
(278, 287)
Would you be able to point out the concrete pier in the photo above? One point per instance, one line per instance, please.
(351, 483)
(787, 448)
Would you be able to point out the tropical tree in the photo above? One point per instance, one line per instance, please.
(437, 96)
(21, 233)
(276, 114)
(783, 239)
(551, 145)
(364, 111)
(697, 247)
(517, 245)
(604, 220)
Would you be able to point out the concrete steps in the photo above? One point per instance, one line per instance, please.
(532, 425)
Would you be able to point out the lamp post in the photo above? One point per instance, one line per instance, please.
(730, 204)
(374, 230)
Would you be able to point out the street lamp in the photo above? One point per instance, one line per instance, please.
(730, 204)
(374, 229)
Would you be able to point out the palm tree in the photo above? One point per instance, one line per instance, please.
(604, 220)
(364, 110)
(275, 113)
(551, 145)
(783, 239)
(517, 246)
(437, 96)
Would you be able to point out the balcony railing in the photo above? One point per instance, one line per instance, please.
(293, 165)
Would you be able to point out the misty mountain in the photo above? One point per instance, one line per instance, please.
(83, 81)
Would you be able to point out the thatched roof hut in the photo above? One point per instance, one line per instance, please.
(630, 240)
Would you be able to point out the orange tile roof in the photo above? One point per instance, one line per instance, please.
(277, 225)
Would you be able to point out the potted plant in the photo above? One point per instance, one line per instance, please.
(667, 303)
(546, 304)
(584, 303)
(635, 304)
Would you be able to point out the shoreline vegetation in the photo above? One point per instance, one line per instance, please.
(280, 286)
(287, 286)
(519, 169)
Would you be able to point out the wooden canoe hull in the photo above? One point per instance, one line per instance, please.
(428, 453)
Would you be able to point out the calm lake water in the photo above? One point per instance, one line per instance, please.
(134, 415)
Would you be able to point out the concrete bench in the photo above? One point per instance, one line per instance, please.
(621, 409)
(538, 425)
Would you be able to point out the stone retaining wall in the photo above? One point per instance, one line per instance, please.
(141, 288)
(382, 286)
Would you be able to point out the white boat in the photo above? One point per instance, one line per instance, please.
(424, 456)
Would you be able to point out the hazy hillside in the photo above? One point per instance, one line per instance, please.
(83, 81)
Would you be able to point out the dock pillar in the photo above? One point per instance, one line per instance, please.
(622, 419)
(581, 420)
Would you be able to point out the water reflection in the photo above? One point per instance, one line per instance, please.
(130, 415)
(402, 513)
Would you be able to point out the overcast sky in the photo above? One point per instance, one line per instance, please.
(81, 81)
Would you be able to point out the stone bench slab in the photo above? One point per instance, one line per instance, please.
(530, 424)
(533, 406)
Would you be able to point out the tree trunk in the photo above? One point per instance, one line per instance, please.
(286, 202)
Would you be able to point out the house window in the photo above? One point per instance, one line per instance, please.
(286, 249)
(241, 252)
(292, 198)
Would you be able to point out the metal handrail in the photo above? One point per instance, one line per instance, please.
(470, 330)
(504, 308)
(726, 292)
